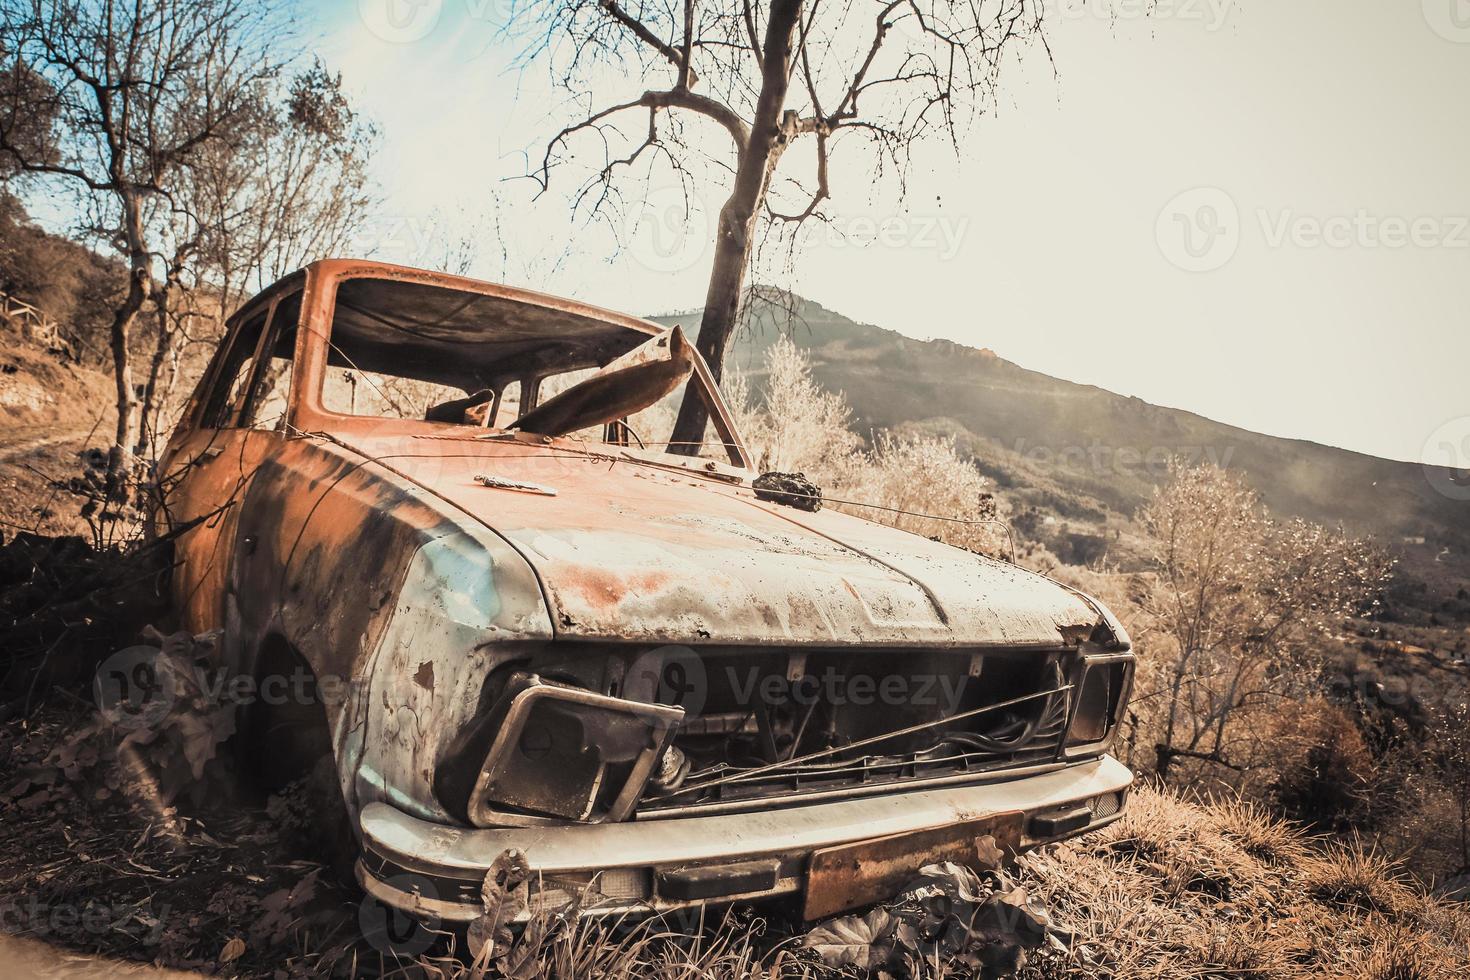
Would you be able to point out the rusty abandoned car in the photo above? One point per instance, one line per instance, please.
(546, 633)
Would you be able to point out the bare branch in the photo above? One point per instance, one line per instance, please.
(679, 60)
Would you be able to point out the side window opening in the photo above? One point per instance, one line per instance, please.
(270, 399)
(234, 374)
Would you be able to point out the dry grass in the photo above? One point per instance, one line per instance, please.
(1173, 890)
(1180, 890)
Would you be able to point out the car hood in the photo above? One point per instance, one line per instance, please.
(631, 550)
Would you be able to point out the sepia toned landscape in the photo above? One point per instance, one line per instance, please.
(465, 613)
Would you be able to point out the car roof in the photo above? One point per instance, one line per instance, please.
(414, 322)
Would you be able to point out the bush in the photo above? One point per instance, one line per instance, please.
(1325, 773)
(920, 483)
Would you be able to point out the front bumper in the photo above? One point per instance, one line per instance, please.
(435, 871)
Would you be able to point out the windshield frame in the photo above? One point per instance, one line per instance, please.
(313, 345)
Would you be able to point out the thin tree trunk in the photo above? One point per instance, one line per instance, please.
(125, 437)
(126, 433)
(162, 344)
(738, 218)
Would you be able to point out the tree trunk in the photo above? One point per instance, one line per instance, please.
(717, 322)
(738, 217)
(125, 437)
(149, 409)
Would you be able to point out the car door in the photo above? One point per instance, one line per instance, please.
(237, 421)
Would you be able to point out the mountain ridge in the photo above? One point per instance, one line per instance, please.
(1046, 439)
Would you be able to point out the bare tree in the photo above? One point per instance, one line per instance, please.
(291, 187)
(769, 76)
(27, 116)
(137, 90)
(295, 190)
(1240, 609)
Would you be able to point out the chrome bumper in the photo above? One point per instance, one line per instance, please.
(434, 871)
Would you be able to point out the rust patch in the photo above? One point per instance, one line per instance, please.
(604, 589)
(424, 677)
(849, 875)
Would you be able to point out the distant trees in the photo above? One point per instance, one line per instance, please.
(766, 78)
(168, 122)
(135, 91)
(1239, 610)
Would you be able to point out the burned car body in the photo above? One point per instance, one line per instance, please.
(615, 660)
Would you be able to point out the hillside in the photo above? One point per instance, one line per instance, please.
(1090, 456)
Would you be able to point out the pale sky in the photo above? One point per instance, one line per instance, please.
(1311, 281)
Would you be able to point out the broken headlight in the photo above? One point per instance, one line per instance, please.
(570, 753)
(1100, 696)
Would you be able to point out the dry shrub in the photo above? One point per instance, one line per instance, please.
(924, 475)
(1356, 878)
(797, 426)
(919, 483)
(561, 946)
(1264, 837)
(1394, 952)
(1288, 908)
(1324, 773)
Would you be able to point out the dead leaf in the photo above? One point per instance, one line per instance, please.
(504, 895)
(234, 949)
(864, 941)
(988, 853)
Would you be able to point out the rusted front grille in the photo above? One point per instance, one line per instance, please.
(773, 726)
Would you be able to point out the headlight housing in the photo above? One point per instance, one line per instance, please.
(567, 753)
(1100, 695)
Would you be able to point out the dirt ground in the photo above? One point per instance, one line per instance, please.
(50, 411)
(98, 862)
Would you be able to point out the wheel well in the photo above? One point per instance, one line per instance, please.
(285, 728)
